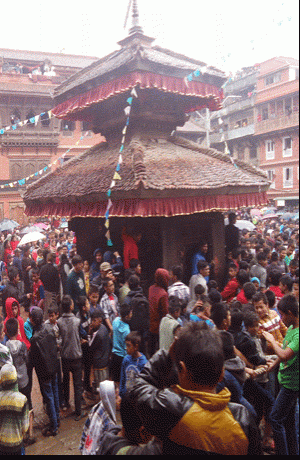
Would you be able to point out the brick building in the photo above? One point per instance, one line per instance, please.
(27, 80)
(277, 125)
(259, 122)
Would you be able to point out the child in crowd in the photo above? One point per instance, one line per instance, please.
(271, 298)
(274, 278)
(286, 284)
(19, 356)
(38, 291)
(255, 391)
(231, 289)
(120, 331)
(132, 364)
(85, 321)
(14, 413)
(242, 278)
(283, 414)
(99, 343)
(296, 289)
(13, 311)
(249, 291)
(109, 303)
(169, 324)
(203, 312)
(269, 320)
(93, 296)
(71, 353)
(28, 327)
(53, 315)
(256, 283)
(221, 316)
(5, 356)
(193, 403)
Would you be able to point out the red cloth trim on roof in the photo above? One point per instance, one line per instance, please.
(145, 80)
(160, 207)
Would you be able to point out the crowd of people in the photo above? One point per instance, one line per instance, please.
(192, 368)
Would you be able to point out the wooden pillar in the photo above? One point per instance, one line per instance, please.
(218, 245)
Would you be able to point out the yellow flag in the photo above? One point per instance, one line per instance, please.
(117, 176)
(107, 223)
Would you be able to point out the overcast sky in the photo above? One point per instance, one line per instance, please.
(228, 34)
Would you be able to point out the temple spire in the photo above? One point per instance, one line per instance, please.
(135, 18)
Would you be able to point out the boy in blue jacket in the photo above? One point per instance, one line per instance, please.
(132, 364)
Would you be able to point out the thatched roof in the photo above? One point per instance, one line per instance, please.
(152, 167)
(137, 57)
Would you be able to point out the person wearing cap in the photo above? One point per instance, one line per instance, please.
(105, 272)
(14, 410)
(256, 282)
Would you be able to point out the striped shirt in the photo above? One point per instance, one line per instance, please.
(14, 420)
(273, 324)
(5, 356)
(110, 306)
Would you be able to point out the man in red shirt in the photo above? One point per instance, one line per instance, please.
(130, 251)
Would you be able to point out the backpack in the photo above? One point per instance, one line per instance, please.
(140, 313)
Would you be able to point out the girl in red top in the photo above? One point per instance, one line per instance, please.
(13, 311)
(7, 250)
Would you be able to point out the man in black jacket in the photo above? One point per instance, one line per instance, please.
(50, 279)
(43, 354)
(140, 310)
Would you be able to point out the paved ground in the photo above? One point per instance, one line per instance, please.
(68, 438)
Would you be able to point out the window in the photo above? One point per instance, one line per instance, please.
(271, 177)
(67, 127)
(279, 105)
(274, 78)
(86, 129)
(287, 177)
(295, 104)
(253, 152)
(288, 106)
(270, 150)
(265, 113)
(287, 150)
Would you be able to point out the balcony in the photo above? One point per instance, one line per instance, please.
(30, 138)
(241, 84)
(236, 133)
(276, 124)
(238, 106)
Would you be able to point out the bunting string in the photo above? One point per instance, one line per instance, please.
(116, 175)
(41, 171)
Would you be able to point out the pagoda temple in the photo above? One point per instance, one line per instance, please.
(172, 189)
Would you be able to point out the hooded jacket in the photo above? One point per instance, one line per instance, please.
(158, 299)
(19, 355)
(184, 419)
(21, 335)
(95, 266)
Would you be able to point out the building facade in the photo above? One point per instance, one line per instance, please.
(259, 124)
(277, 127)
(27, 80)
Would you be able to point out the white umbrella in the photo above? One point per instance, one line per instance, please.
(30, 237)
(241, 224)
